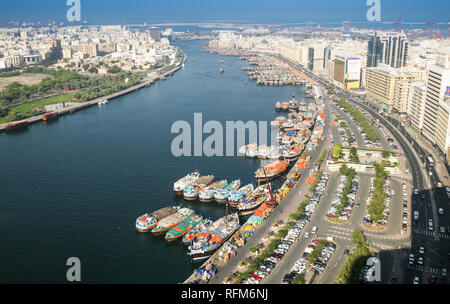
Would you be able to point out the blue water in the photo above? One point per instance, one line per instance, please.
(74, 187)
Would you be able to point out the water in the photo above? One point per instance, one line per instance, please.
(74, 187)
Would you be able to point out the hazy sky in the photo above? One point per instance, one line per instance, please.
(270, 11)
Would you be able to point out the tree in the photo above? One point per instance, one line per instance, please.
(337, 150)
(385, 154)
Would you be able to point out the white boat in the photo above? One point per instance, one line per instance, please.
(188, 180)
(221, 195)
(103, 102)
(191, 193)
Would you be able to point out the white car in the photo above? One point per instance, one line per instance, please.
(416, 280)
(306, 234)
(430, 224)
(441, 211)
(421, 250)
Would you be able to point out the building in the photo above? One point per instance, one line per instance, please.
(442, 136)
(387, 48)
(388, 87)
(67, 53)
(316, 55)
(154, 33)
(436, 105)
(347, 72)
(90, 49)
(32, 59)
(416, 104)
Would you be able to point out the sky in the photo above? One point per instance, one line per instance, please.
(246, 11)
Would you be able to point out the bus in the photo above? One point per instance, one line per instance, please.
(430, 161)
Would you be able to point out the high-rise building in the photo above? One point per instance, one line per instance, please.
(387, 48)
(436, 104)
(416, 104)
(316, 54)
(154, 33)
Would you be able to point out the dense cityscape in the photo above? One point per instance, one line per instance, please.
(353, 186)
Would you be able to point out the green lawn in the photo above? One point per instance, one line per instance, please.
(32, 108)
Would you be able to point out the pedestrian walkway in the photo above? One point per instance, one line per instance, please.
(431, 233)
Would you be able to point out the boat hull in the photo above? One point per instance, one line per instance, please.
(190, 198)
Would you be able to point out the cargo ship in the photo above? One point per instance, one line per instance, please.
(207, 241)
(165, 224)
(146, 222)
(50, 116)
(236, 196)
(16, 125)
(188, 180)
(183, 228)
(207, 195)
(188, 237)
(271, 171)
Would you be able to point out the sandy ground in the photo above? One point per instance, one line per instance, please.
(25, 79)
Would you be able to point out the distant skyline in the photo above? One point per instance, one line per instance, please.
(244, 11)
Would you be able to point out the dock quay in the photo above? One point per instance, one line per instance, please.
(255, 232)
(73, 107)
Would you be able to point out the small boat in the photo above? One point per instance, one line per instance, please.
(234, 185)
(271, 171)
(293, 105)
(188, 237)
(183, 228)
(252, 151)
(278, 106)
(146, 222)
(207, 241)
(50, 116)
(191, 193)
(221, 195)
(204, 181)
(221, 70)
(236, 196)
(207, 195)
(103, 102)
(294, 153)
(284, 106)
(16, 125)
(188, 180)
(254, 200)
(167, 223)
(243, 149)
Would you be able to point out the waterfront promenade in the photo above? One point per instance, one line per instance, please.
(78, 106)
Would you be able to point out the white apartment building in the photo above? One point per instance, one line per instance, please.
(416, 104)
(436, 105)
